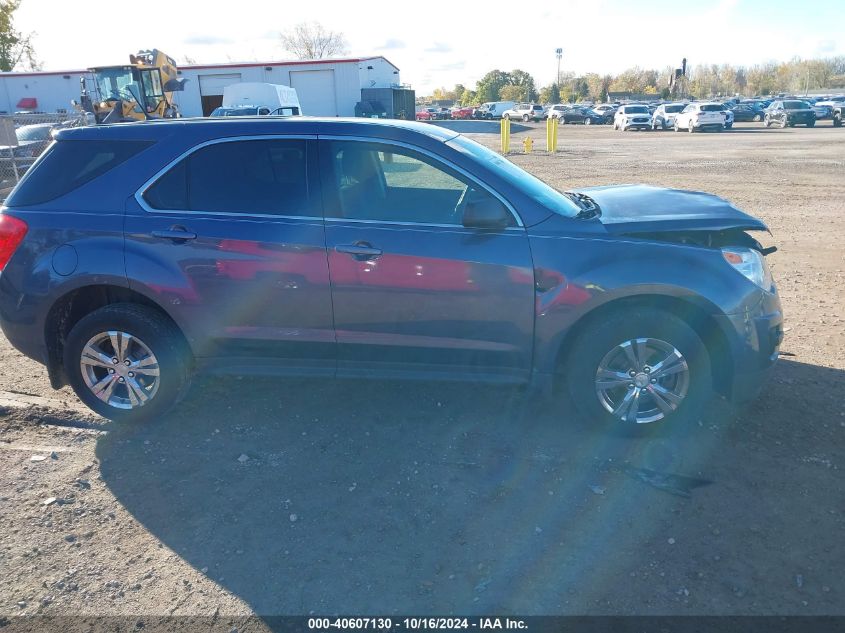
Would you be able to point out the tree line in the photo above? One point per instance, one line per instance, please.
(703, 81)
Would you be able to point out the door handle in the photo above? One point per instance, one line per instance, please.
(178, 234)
(360, 250)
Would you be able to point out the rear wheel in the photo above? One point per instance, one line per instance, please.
(127, 362)
(637, 368)
(768, 122)
(837, 119)
(758, 118)
(811, 124)
(690, 127)
(506, 116)
(525, 118)
(677, 127)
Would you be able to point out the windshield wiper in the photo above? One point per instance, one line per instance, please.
(589, 207)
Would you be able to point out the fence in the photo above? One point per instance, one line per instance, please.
(23, 138)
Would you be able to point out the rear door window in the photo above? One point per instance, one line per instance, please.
(255, 177)
(68, 165)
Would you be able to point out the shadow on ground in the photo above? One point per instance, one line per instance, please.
(387, 498)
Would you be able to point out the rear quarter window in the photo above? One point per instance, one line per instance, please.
(68, 165)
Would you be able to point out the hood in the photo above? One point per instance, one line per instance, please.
(647, 209)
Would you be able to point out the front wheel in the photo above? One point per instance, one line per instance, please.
(639, 367)
(767, 122)
(506, 116)
(525, 118)
(811, 124)
(690, 127)
(676, 126)
(127, 362)
(757, 118)
(588, 121)
(837, 120)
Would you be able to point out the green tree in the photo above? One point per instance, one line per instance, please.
(468, 97)
(16, 48)
(550, 94)
(526, 82)
(512, 92)
(488, 87)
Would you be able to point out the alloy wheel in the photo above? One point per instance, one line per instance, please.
(120, 369)
(642, 380)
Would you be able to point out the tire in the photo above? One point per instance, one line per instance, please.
(151, 332)
(757, 118)
(767, 122)
(837, 120)
(784, 123)
(662, 336)
(728, 126)
(690, 127)
(525, 118)
(506, 116)
(676, 126)
(811, 124)
(588, 121)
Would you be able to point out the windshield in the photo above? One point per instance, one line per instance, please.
(674, 108)
(34, 133)
(112, 82)
(796, 105)
(234, 111)
(532, 186)
(636, 110)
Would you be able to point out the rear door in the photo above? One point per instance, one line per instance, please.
(413, 290)
(230, 238)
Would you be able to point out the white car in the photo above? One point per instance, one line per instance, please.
(664, 117)
(729, 115)
(631, 117)
(557, 110)
(697, 117)
(524, 111)
(605, 109)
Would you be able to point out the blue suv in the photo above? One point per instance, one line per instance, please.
(135, 255)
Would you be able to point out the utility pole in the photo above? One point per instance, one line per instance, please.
(559, 54)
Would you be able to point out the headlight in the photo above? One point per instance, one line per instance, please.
(751, 264)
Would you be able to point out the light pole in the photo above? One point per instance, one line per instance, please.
(559, 54)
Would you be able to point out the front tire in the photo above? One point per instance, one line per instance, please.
(127, 362)
(638, 368)
(506, 116)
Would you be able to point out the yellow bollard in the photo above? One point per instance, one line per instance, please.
(506, 135)
(527, 144)
(551, 134)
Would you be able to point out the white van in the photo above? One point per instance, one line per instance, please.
(256, 98)
(493, 109)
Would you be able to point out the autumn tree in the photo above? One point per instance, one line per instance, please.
(16, 50)
(311, 40)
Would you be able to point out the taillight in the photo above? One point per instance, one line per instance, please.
(12, 232)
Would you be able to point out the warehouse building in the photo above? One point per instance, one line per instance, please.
(326, 87)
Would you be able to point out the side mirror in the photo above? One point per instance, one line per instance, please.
(486, 213)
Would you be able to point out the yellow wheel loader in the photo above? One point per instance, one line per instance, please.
(142, 90)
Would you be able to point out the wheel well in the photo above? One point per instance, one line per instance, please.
(711, 335)
(73, 306)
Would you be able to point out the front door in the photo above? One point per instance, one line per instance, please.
(231, 240)
(414, 291)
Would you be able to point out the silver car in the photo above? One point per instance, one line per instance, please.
(664, 117)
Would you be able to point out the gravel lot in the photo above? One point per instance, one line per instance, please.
(290, 497)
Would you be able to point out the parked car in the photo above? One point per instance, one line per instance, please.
(423, 115)
(745, 112)
(136, 255)
(493, 109)
(632, 117)
(32, 141)
(789, 113)
(581, 115)
(664, 116)
(822, 111)
(729, 115)
(444, 113)
(605, 109)
(524, 111)
(700, 116)
(463, 112)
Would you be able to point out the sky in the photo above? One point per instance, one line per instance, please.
(444, 43)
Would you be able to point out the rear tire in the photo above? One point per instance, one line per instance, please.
(757, 118)
(672, 397)
(154, 348)
(506, 116)
(811, 124)
(525, 118)
(837, 120)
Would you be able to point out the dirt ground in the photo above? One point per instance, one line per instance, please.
(299, 496)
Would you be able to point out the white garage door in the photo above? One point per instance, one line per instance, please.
(315, 89)
(214, 84)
